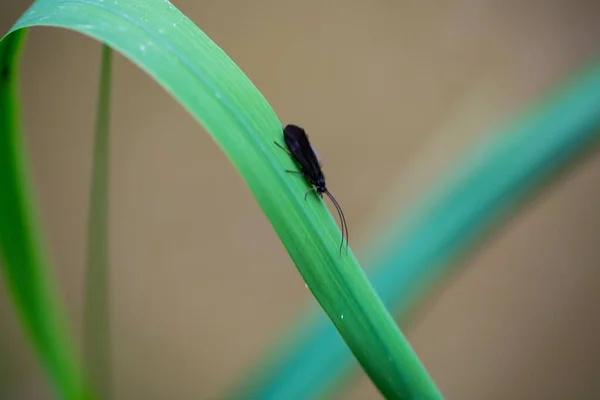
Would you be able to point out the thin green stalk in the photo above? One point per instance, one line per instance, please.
(23, 260)
(96, 329)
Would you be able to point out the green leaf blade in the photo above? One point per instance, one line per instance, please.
(23, 260)
(486, 186)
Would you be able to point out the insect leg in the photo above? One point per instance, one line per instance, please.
(290, 154)
(282, 148)
(308, 191)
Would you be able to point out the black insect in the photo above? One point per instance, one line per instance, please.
(305, 155)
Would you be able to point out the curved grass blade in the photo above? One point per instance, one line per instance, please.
(170, 48)
(23, 260)
(96, 321)
(490, 184)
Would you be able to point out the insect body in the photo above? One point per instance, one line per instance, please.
(301, 150)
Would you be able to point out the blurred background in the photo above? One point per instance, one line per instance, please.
(391, 94)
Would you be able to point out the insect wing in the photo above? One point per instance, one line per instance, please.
(317, 155)
(298, 144)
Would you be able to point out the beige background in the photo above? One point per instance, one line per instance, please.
(390, 92)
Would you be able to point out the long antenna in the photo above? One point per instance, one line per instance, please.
(342, 220)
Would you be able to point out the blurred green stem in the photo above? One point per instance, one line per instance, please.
(96, 332)
(23, 259)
